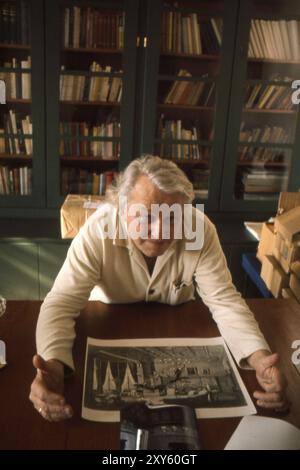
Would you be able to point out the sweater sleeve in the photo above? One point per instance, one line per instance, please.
(80, 272)
(231, 313)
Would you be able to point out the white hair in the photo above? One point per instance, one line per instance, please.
(164, 174)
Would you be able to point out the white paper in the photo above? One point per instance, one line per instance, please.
(2, 354)
(2, 92)
(91, 204)
(195, 372)
(259, 433)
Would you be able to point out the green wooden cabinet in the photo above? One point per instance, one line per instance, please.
(77, 71)
(189, 100)
(208, 68)
(22, 166)
(261, 156)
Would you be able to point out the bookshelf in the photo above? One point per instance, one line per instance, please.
(92, 61)
(261, 157)
(188, 86)
(21, 115)
(203, 83)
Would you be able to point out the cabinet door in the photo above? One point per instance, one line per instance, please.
(21, 105)
(90, 82)
(262, 152)
(19, 271)
(189, 50)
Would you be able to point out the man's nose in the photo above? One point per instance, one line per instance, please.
(156, 229)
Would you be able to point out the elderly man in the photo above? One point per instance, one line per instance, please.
(118, 267)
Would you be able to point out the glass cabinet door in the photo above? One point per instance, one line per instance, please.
(188, 75)
(91, 103)
(262, 156)
(21, 105)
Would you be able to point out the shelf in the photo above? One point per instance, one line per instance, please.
(187, 107)
(15, 156)
(207, 143)
(264, 164)
(90, 50)
(188, 162)
(191, 56)
(270, 111)
(18, 101)
(71, 159)
(90, 103)
(14, 46)
(265, 145)
(273, 61)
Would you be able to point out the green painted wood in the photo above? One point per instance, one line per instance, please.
(19, 271)
(51, 259)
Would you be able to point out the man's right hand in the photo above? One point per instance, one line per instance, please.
(47, 389)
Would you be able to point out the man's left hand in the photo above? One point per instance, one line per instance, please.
(271, 379)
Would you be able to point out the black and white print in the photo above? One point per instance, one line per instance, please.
(196, 373)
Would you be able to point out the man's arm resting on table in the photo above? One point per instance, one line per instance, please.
(270, 378)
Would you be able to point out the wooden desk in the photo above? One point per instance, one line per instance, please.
(23, 428)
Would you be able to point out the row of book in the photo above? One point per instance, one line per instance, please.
(176, 129)
(81, 181)
(15, 180)
(14, 22)
(191, 93)
(266, 134)
(19, 125)
(91, 88)
(263, 96)
(87, 27)
(263, 154)
(262, 181)
(183, 152)
(73, 142)
(277, 40)
(190, 34)
(18, 84)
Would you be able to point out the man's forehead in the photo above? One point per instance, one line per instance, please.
(147, 193)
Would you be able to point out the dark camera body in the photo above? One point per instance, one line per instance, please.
(164, 427)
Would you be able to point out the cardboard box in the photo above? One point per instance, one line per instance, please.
(295, 286)
(273, 275)
(287, 201)
(288, 224)
(287, 293)
(295, 268)
(75, 211)
(286, 253)
(267, 241)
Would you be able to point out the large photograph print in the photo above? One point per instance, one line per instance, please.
(199, 373)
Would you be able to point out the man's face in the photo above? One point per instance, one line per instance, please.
(146, 193)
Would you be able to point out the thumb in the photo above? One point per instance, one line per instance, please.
(40, 364)
(269, 361)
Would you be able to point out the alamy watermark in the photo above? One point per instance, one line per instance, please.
(296, 353)
(157, 222)
(2, 92)
(296, 93)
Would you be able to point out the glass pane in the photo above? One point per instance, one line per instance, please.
(269, 116)
(16, 143)
(92, 42)
(189, 66)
